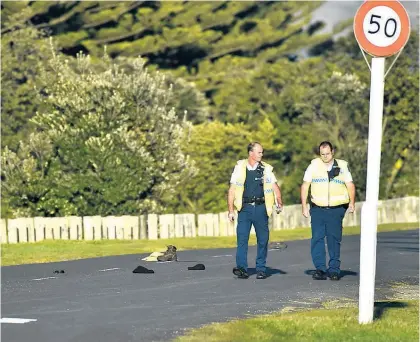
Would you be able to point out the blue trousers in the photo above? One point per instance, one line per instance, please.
(326, 222)
(252, 215)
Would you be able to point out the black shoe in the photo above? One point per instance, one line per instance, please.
(319, 275)
(334, 276)
(169, 255)
(261, 275)
(240, 272)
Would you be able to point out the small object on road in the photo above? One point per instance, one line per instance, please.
(198, 267)
(141, 269)
(277, 245)
(59, 271)
(153, 256)
(169, 254)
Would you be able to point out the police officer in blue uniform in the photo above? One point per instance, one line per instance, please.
(332, 193)
(253, 191)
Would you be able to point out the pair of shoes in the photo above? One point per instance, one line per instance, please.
(334, 276)
(319, 275)
(261, 275)
(240, 272)
(169, 254)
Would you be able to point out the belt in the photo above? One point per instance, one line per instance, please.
(254, 200)
(335, 207)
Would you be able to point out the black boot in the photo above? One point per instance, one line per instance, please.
(319, 275)
(240, 272)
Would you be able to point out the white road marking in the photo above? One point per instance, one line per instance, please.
(16, 320)
(220, 256)
(45, 278)
(109, 269)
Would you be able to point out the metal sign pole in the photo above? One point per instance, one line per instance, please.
(381, 28)
(369, 209)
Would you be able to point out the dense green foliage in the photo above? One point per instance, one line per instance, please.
(231, 71)
(106, 142)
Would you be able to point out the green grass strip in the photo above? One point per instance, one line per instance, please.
(60, 250)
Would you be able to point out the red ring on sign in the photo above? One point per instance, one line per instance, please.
(379, 51)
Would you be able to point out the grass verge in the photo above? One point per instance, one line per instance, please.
(395, 321)
(60, 250)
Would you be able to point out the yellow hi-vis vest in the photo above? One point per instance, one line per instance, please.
(268, 186)
(326, 193)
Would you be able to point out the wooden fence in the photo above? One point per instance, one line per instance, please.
(168, 226)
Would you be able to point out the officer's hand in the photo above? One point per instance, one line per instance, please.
(351, 208)
(279, 208)
(305, 211)
(231, 216)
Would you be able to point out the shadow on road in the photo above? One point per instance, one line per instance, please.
(270, 271)
(343, 273)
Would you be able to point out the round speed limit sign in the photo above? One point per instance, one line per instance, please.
(381, 28)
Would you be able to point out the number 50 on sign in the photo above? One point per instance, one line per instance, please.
(382, 28)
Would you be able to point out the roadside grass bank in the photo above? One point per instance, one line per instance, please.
(396, 320)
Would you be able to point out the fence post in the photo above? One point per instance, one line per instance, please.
(180, 225)
(119, 227)
(92, 227)
(3, 231)
(216, 225)
(39, 223)
(143, 227)
(152, 227)
(21, 230)
(75, 227)
(166, 226)
(131, 224)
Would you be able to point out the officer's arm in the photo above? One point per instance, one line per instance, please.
(277, 193)
(304, 189)
(231, 197)
(352, 192)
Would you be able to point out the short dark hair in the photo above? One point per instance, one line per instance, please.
(252, 145)
(325, 144)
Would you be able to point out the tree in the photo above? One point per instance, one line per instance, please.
(215, 147)
(106, 143)
(400, 148)
(23, 56)
(208, 43)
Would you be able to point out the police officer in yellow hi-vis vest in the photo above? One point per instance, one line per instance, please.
(253, 191)
(332, 193)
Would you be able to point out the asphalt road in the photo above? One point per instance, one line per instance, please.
(102, 300)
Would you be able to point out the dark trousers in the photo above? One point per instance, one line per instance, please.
(326, 222)
(252, 215)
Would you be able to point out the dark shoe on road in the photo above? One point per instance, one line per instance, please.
(169, 255)
(261, 275)
(240, 272)
(319, 275)
(334, 276)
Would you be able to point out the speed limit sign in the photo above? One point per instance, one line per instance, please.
(382, 28)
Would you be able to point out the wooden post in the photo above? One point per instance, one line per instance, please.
(152, 227)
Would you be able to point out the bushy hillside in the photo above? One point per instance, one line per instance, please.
(205, 42)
